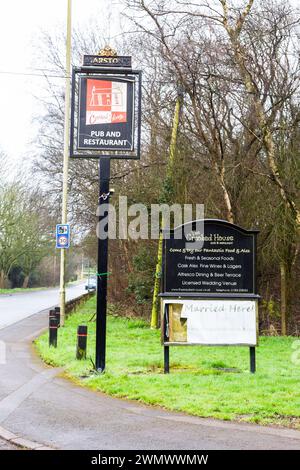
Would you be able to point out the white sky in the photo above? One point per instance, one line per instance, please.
(20, 22)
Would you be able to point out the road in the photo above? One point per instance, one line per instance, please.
(38, 404)
(16, 307)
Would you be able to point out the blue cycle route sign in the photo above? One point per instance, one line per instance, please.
(62, 236)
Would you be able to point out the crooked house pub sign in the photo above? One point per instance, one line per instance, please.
(209, 293)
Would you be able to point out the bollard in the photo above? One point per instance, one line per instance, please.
(81, 342)
(52, 314)
(57, 314)
(52, 329)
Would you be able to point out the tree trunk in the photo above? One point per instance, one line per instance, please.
(169, 176)
(155, 300)
(283, 293)
(227, 200)
(25, 282)
(2, 280)
(267, 136)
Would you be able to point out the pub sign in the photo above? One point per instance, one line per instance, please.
(106, 113)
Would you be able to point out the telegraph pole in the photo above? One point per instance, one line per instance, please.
(64, 217)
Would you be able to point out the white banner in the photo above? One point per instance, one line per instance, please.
(219, 321)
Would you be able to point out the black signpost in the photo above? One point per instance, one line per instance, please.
(102, 268)
(222, 267)
(105, 124)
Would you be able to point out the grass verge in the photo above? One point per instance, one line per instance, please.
(32, 289)
(21, 289)
(204, 381)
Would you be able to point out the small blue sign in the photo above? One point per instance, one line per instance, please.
(63, 236)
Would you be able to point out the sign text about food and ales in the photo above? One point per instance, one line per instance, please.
(224, 263)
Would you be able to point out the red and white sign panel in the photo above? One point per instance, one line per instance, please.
(106, 102)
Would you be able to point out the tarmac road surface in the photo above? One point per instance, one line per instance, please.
(16, 307)
(36, 403)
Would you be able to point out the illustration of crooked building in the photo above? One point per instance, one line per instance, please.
(103, 97)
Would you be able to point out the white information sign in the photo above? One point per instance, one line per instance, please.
(217, 322)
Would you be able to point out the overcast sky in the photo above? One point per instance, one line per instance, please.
(21, 22)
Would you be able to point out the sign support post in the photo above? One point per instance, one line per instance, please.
(166, 339)
(166, 359)
(252, 360)
(102, 268)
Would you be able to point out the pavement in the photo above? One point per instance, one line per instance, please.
(39, 407)
(6, 445)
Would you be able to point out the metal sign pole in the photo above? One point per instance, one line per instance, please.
(104, 175)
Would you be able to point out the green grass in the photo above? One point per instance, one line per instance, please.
(21, 289)
(32, 289)
(204, 381)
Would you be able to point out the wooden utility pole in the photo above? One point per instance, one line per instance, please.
(64, 217)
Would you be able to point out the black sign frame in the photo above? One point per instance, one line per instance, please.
(109, 74)
(169, 234)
